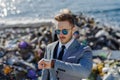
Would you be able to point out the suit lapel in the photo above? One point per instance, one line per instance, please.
(73, 47)
(54, 50)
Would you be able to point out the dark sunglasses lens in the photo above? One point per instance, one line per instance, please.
(64, 31)
(57, 31)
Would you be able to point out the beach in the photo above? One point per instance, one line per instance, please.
(40, 33)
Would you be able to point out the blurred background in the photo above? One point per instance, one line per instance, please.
(27, 26)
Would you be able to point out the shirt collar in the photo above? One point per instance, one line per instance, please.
(67, 44)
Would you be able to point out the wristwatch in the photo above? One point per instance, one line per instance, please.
(52, 63)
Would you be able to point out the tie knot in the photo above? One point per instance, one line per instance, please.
(63, 47)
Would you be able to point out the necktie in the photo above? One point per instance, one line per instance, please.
(61, 53)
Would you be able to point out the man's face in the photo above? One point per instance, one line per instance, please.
(65, 30)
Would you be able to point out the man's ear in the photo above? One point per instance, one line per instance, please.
(74, 29)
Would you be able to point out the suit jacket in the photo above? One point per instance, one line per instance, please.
(76, 63)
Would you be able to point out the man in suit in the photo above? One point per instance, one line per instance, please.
(66, 59)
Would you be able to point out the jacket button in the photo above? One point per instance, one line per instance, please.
(56, 72)
(57, 78)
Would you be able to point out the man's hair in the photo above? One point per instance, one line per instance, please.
(65, 17)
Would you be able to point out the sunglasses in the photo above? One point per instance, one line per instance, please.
(64, 31)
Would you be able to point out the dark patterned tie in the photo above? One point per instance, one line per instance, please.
(61, 53)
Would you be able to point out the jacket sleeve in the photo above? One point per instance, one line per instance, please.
(82, 69)
(45, 72)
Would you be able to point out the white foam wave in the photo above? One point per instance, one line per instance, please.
(25, 22)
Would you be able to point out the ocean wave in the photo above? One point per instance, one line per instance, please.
(25, 23)
(105, 11)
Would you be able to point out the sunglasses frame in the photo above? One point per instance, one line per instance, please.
(64, 31)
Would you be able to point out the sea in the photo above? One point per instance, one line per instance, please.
(27, 11)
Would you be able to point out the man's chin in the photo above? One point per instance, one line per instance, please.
(63, 42)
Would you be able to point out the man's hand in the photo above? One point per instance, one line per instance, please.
(45, 64)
